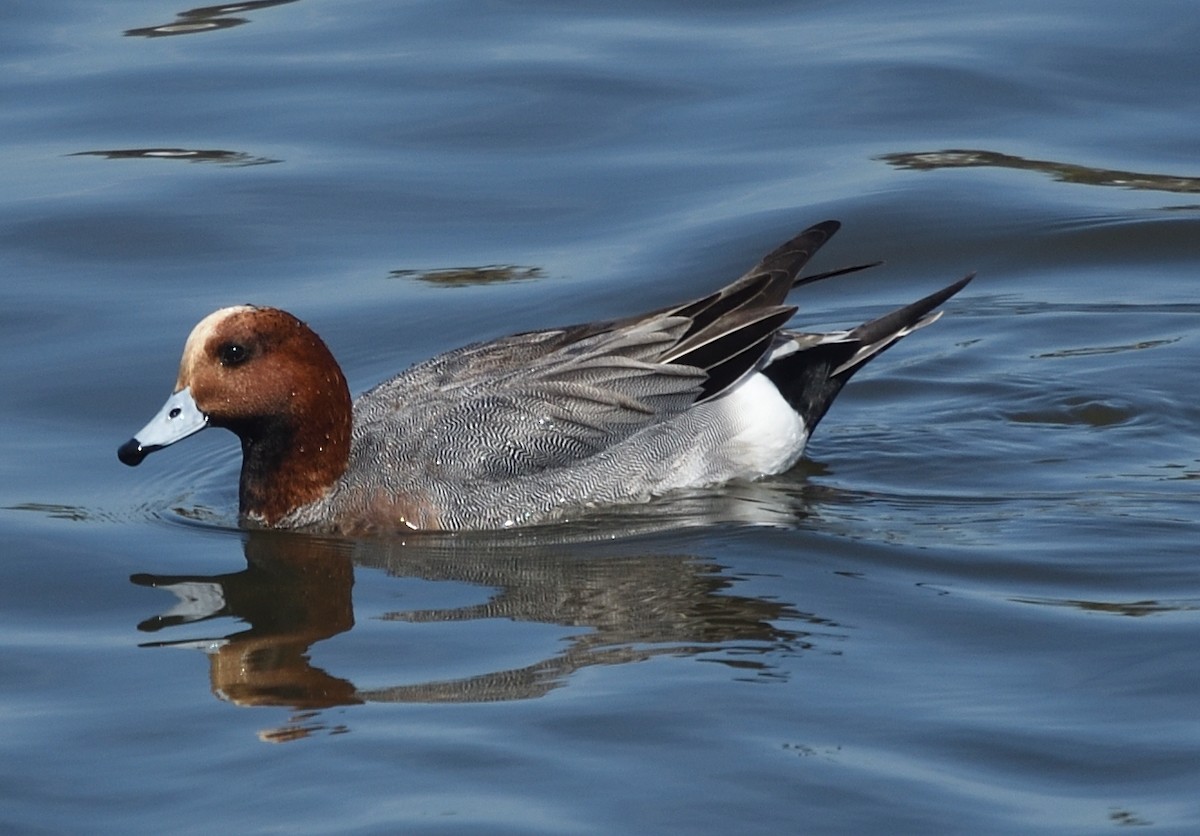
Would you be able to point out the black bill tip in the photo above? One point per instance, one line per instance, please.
(132, 453)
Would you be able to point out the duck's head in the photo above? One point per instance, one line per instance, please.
(265, 375)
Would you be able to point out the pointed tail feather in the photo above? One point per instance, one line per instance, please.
(810, 377)
(829, 274)
(879, 334)
(767, 283)
(789, 258)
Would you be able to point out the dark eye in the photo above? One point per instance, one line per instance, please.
(232, 354)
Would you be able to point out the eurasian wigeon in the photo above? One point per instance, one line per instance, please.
(527, 428)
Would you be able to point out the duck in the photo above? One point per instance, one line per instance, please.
(532, 428)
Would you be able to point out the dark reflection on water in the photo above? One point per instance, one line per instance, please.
(205, 19)
(293, 593)
(1134, 609)
(55, 510)
(471, 276)
(1127, 818)
(296, 591)
(1064, 172)
(191, 155)
(1078, 409)
(1106, 349)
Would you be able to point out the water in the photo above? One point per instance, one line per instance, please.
(973, 608)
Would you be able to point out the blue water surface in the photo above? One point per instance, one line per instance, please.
(972, 608)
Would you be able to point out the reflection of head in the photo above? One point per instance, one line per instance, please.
(294, 592)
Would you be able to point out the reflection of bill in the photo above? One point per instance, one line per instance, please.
(1065, 172)
(296, 591)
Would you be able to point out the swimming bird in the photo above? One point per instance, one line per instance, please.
(528, 428)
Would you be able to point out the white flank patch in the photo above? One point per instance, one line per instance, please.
(768, 435)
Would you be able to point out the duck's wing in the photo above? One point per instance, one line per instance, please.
(546, 399)
(556, 409)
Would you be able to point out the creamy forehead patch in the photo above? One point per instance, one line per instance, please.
(193, 349)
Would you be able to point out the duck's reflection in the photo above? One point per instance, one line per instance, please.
(633, 607)
(293, 593)
(296, 591)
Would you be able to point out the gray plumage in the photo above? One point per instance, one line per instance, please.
(529, 427)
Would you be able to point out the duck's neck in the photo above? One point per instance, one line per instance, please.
(290, 462)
